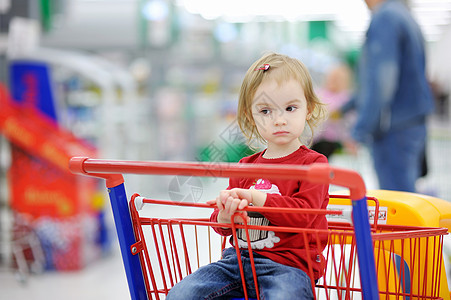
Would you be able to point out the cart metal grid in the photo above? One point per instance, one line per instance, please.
(408, 259)
(363, 261)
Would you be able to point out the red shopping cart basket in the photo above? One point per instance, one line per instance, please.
(362, 261)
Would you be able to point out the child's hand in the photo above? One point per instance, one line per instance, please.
(229, 201)
(244, 195)
(256, 197)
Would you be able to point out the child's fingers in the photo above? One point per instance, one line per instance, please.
(235, 204)
(232, 205)
(233, 193)
(243, 218)
(223, 195)
(212, 201)
(246, 217)
(218, 203)
(243, 194)
(243, 203)
(227, 205)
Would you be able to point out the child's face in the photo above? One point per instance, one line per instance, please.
(280, 113)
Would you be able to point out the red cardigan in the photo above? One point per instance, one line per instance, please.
(286, 248)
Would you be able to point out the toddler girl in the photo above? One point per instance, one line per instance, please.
(276, 104)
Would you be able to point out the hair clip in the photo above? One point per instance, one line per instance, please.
(265, 67)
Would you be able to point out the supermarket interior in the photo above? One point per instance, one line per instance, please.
(159, 80)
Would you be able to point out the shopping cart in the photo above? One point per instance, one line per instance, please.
(362, 261)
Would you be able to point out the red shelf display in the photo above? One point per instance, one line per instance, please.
(61, 207)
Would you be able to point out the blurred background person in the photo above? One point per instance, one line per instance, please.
(393, 97)
(335, 92)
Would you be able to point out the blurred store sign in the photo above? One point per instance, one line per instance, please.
(31, 86)
(36, 133)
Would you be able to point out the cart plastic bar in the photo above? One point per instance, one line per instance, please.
(318, 173)
(124, 227)
(365, 252)
(126, 237)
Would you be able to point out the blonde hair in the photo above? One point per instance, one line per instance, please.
(281, 68)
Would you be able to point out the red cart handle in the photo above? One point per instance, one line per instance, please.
(111, 170)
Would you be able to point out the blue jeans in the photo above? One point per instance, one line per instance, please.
(221, 280)
(398, 158)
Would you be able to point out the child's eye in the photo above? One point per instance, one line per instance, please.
(265, 111)
(291, 108)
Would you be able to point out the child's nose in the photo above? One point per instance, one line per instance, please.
(280, 119)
